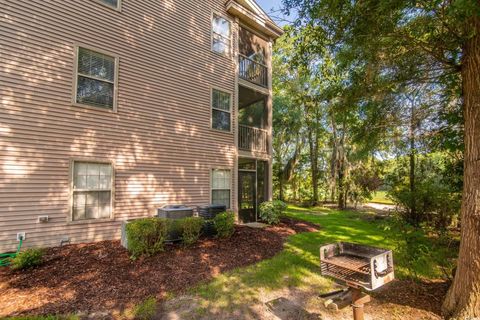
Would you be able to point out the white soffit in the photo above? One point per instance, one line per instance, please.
(250, 12)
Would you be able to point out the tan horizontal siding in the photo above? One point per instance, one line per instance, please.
(159, 140)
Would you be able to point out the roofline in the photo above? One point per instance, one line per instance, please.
(259, 19)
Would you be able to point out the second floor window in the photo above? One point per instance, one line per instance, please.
(221, 110)
(95, 79)
(221, 35)
(111, 3)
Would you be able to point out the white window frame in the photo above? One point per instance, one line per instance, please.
(76, 74)
(230, 186)
(72, 190)
(118, 7)
(221, 110)
(230, 42)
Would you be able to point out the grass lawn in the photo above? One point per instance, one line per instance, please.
(298, 265)
(381, 197)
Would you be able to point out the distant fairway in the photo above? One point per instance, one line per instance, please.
(381, 197)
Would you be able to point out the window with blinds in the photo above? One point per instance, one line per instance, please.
(96, 79)
(92, 191)
(221, 110)
(221, 35)
(221, 186)
(111, 3)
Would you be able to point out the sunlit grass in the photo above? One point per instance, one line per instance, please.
(298, 264)
(381, 197)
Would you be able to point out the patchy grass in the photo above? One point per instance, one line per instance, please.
(298, 265)
(145, 310)
(381, 197)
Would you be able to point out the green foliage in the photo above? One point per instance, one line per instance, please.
(418, 252)
(272, 211)
(363, 180)
(192, 227)
(297, 264)
(435, 200)
(224, 224)
(363, 76)
(27, 259)
(146, 236)
(175, 229)
(145, 310)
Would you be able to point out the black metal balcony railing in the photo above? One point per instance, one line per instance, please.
(253, 71)
(252, 139)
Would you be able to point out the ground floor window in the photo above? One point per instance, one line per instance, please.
(92, 190)
(221, 187)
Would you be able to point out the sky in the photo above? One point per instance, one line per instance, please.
(273, 8)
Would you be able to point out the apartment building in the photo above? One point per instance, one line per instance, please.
(113, 108)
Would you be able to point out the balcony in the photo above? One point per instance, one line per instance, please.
(253, 71)
(252, 139)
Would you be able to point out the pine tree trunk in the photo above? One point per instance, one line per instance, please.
(413, 202)
(314, 164)
(341, 180)
(333, 163)
(463, 298)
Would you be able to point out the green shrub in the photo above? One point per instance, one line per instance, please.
(271, 211)
(175, 229)
(27, 259)
(224, 224)
(145, 310)
(192, 227)
(146, 236)
(434, 202)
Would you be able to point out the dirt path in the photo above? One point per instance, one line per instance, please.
(380, 206)
(402, 300)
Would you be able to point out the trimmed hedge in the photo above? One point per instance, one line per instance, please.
(146, 236)
(271, 211)
(192, 227)
(175, 229)
(224, 224)
(27, 259)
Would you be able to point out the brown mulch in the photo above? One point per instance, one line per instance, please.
(426, 296)
(100, 276)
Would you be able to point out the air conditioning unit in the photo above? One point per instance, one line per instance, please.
(177, 211)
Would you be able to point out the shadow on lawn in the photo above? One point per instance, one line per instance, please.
(298, 265)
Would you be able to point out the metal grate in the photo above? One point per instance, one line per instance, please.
(357, 265)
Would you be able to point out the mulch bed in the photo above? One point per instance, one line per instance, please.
(426, 296)
(100, 276)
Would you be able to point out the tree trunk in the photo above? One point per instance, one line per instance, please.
(342, 163)
(333, 163)
(463, 298)
(413, 202)
(314, 164)
(280, 186)
(341, 179)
